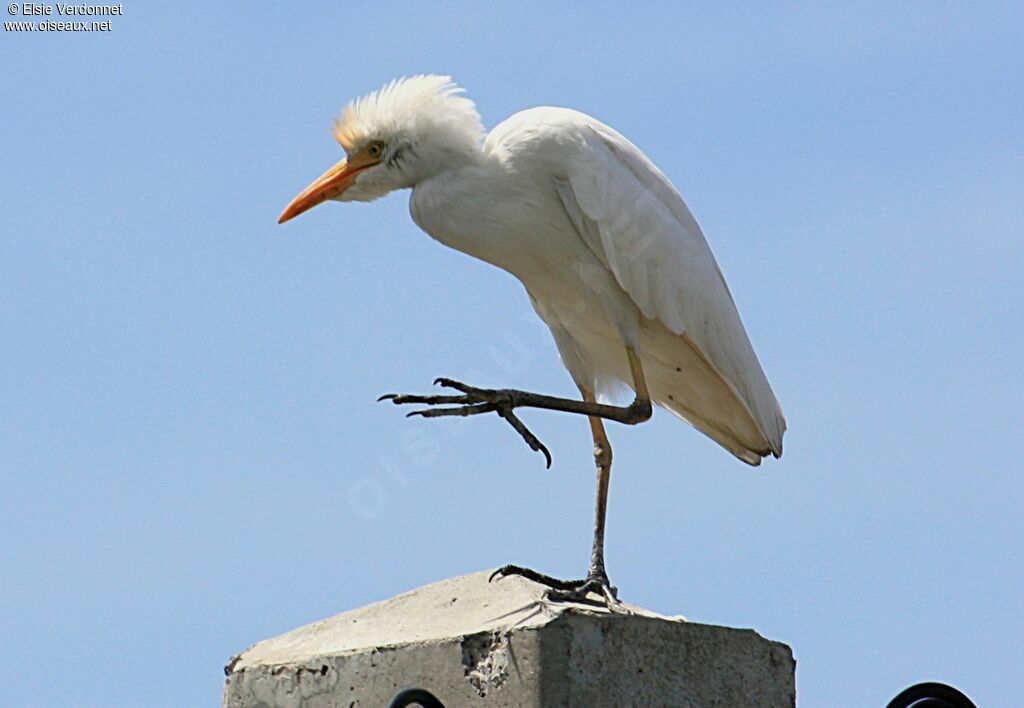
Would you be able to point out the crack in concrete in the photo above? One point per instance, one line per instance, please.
(485, 660)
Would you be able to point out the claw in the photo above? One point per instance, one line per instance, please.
(531, 439)
(578, 591)
(459, 386)
(533, 575)
(400, 398)
(471, 401)
(466, 410)
(450, 383)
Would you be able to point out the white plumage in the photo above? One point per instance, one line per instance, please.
(603, 243)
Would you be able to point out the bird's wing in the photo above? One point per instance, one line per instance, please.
(636, 222)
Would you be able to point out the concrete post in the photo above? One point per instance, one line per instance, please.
(474, 643)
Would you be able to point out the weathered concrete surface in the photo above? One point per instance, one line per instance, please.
(474, 643)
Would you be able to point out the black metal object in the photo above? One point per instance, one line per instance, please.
(415, 696)
(922, 695)
(931, 695)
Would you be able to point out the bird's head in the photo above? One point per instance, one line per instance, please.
(409, 130)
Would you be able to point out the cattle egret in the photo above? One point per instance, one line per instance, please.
(609, 254)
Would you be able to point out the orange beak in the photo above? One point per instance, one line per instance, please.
(328, 185)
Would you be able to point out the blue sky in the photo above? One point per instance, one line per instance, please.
(190, 453)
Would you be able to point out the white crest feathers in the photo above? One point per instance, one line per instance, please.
(415, 107)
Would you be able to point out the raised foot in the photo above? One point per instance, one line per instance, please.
(595, 589)
(471, 401)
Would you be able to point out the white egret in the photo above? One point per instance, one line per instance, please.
(609, 254)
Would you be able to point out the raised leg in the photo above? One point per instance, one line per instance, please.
(474, 401)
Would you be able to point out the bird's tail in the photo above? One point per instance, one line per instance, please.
(682, 380)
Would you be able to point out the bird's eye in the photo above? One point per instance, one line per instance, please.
(375, 149)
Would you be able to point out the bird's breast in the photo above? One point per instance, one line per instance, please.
(511, 222)
(523, 228)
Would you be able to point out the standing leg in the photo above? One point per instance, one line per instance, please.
(603, 462)
(597, 576)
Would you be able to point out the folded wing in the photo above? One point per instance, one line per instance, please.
(636, 222)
